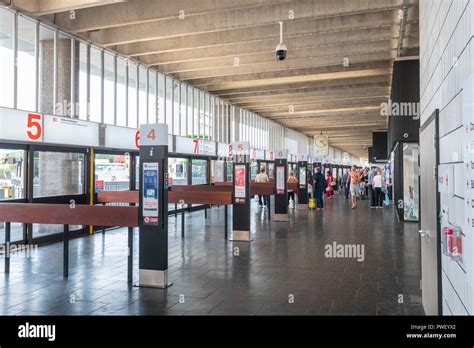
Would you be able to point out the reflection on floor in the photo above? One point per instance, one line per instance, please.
(283, 271)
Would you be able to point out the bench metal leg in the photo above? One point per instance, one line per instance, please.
(103, 227)
(205, 212)
(7, 246)
(130, 255)
(182, 222)
(176, 210)
(66, 251)
(226, 222)
(269, 210)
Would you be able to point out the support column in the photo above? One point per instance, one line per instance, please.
(153, 207)
(303, 176)
(241, 189)
(281, 195)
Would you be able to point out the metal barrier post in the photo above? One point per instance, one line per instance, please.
(66, 251)
(7, 246)
(130, 254)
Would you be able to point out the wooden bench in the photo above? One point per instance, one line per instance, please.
(65, 214)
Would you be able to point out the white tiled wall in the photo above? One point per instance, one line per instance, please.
(446, 60)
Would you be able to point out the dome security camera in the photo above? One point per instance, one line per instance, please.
(281, 49)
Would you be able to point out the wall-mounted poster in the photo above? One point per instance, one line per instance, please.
(150, 193)
(240, 173)
(280, 180)
(302, 172)
(410, 182)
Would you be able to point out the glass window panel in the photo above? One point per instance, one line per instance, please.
(46, 67)
(81, 80)
(6, 58)
(201, 115)
(151, 96)
(63, 102)
(217, 171)
(178, 170)
(121, 92)
(169, 103)
(410, 182)
(142, 96)
(161, 99)
(195, 130)
(112, 172)
(12, 178)
(109, 87)
(56, 174)
(26, 86)
(12, 173)
(190, 111)
(176, 107)
(230, 170)
(96, 85)
(132, 95)
(183, 109)
(199, 172)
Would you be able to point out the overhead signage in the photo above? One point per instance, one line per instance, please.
(222, 150)
(281, 154)
(66, 130)
(302, 157)
(154, 134)
(206, 147)
(122, 138)
(16, 125)
(240, 148)
(185, 145)
(240, 183)
(260, 154)
(150, 197)
(269, 155)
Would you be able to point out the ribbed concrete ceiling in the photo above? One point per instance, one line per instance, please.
(227, 47)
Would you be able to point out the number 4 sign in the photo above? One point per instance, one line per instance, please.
(155, 134)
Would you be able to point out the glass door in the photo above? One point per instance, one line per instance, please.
(12, 185)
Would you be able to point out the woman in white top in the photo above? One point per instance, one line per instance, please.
(262, 177)
(377, 184)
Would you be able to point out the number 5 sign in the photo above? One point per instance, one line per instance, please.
(34, 127)
(19, 125)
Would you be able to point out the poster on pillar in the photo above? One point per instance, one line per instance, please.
(240, 187)
(150, 197)
(280, 180)
(302, 175)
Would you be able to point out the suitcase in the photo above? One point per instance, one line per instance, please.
(312, 203)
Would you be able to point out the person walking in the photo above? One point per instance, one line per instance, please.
(372, 173)
(353, 181)
(319, 184)
(262, 177)
(329, 189)
(345, 176)
(378, 183)
(291, 193)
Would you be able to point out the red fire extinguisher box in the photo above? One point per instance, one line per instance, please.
(452, 242)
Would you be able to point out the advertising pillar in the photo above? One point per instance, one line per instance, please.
(281, 194)
(153, 206)
(241, 204)
(303, 176)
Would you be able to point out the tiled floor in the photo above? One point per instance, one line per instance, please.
(283, 271)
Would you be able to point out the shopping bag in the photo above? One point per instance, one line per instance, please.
(312, 203)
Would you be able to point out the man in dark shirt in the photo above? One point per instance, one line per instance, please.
(319, 185)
